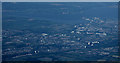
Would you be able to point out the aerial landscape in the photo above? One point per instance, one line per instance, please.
(60, 31)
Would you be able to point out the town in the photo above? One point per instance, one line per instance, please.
(92, 38)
